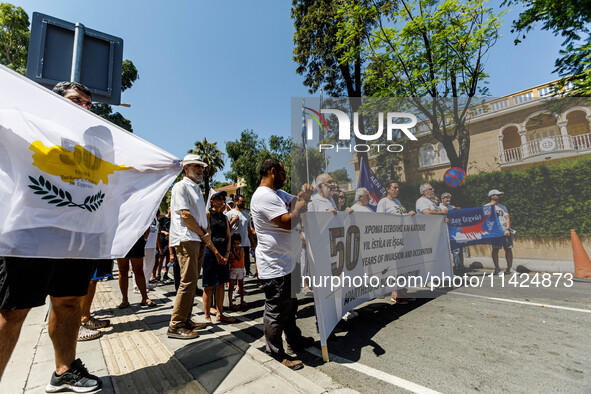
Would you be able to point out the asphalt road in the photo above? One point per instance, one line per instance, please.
(486, 339)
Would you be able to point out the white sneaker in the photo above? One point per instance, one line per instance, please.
(510, 271)
(136, 290)
(151, 286)
(348, 316)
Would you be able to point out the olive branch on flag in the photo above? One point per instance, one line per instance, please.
(62, 198)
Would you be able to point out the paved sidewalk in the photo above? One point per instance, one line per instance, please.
(134, 355)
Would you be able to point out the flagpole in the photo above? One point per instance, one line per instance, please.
(325, 153)
(304, 140)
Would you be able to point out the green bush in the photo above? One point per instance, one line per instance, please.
(544, 200)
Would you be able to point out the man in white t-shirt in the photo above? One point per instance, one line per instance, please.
(240, 223)
(276, 260)
(189, 235)
(361, 201)
(425, 204)
(503, 214)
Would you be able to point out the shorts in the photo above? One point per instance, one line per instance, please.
(104, 268)
(26, 282)
(137, 250)
(237, 273)
(507, 243)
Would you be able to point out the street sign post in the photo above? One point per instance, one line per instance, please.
(65, 51)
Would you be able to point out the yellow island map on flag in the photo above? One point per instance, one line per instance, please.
(72, 185)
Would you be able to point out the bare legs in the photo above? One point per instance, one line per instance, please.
(10, 328)
(86, 302)
(219, 300)
(137, 265)
(64, 323)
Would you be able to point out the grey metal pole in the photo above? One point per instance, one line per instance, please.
(77, 52)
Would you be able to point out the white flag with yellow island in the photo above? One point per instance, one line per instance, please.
(72, 185)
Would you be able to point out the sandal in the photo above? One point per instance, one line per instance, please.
(85, 334)
(95, 324)
(123, 305)
(225, 319)
(149, 303)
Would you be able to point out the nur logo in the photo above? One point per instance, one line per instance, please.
(344, 124)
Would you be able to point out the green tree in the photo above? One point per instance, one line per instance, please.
(248, 153)
(14, 37)
(569, 19)
(129, 75)
(212, 156)
(340, 176)
(302, 172)
(320, 54)
(427, 49)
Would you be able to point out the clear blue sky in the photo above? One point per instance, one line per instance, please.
(212, 69)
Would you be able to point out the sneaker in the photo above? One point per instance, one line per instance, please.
(136, 290)
(510, 271)
(150, 286)
(348, 316)
(76, 379)
(292, 363)
(497, 271)
(86, 334)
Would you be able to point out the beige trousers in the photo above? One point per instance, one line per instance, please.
(190, 257)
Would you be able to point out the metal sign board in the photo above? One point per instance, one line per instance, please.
(65, 51)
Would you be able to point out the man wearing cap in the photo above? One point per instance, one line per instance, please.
(503, 214)
(189, 235)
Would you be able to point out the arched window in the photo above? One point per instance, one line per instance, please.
(442, 154)
(427, 155)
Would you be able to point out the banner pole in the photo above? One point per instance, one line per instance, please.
(325, 353)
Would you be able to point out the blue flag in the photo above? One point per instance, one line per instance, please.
(472, 226)
(369, 180)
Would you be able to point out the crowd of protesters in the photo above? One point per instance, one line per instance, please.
(208, 240)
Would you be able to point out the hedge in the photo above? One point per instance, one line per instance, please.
(544, 200)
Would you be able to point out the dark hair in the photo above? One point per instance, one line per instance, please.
(389, 183)
(236, 237)
(62, 87)
(268, 165)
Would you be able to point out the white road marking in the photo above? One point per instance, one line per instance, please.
(566, 308)
(375, 373)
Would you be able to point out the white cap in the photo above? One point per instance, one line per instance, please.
(193, 159)
(493, 192)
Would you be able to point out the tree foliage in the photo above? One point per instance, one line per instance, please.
(248, 153)
(432, 52)
(320, 54)
(569, 19)
(14, 37)
(212, 156)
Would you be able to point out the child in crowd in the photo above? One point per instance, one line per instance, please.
(237, 272)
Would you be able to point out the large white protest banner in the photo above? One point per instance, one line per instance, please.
(354, 258)
(72, 185)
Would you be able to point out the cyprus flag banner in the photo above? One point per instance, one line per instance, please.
(72, 185)
(355, 258)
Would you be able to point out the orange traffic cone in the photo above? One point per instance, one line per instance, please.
(582, 261)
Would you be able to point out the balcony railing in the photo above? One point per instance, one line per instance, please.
(555, 143)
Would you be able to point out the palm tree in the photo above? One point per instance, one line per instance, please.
(212, 156)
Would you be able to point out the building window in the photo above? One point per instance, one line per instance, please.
(442, 154)
(427, 155)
